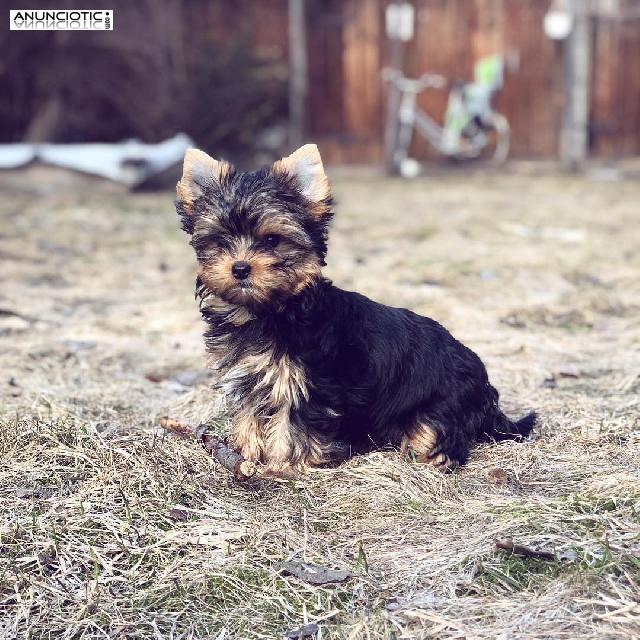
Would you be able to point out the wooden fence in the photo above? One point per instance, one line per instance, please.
(347, 49)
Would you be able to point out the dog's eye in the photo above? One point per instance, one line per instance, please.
(271, 241)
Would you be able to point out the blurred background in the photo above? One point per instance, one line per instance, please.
(519, 121)
(251, 79)
(96, 278)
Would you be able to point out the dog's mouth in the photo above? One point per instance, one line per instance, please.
(244, 288)
(243, 293)
(253, 297)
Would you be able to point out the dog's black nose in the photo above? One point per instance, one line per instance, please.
(241, 269)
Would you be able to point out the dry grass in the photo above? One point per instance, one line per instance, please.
(110, 529)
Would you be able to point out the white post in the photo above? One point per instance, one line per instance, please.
(574, 141)
(399, 26)
(297, 72)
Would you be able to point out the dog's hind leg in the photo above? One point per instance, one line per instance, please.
(421, 445)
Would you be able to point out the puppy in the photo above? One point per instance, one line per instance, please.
(312, 373)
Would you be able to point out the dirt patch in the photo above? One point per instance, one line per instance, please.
(109, 528)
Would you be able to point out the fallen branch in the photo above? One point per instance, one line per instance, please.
(242, 469)
(520, 550)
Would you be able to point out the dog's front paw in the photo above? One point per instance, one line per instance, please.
(249, 450)
(250, 453)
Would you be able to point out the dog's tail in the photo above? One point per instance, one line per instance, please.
(505, 429)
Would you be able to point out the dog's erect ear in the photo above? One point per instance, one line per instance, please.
(198, 170)
(305, 165)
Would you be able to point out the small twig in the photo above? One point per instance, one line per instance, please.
(242, 469)
(507, 544)
(176, 427)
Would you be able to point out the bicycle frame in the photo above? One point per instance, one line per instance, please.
(410, 117)
(464, 134)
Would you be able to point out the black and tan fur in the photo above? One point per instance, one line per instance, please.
(313, 373)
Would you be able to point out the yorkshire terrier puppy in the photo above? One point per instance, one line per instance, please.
(313, 373)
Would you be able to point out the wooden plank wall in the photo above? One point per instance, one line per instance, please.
(450, 35)
(348, 49)
(615, 86)
(346, 95)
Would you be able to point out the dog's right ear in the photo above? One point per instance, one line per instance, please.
(305, 165)
(198, 171)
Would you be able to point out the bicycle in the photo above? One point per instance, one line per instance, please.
(472, 128)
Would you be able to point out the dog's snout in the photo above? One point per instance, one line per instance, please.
(241, 269)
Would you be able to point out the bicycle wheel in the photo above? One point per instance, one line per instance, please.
(486, 140)
(497, 132)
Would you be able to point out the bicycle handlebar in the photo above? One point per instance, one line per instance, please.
(413, 85)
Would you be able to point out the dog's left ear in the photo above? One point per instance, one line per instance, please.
(305, 165)
(198, 171)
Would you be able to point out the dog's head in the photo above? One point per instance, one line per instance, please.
(260, 237)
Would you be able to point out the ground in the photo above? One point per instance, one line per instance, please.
(111, 528)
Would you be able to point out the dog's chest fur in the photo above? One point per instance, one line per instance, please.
(262, 385)
(265, 390)
(263, 381)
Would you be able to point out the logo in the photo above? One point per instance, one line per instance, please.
(62, 20)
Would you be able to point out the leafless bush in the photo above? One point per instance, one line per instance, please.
(148, 78)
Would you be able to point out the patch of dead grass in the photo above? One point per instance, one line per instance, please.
(108, 528)
(131, 535)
